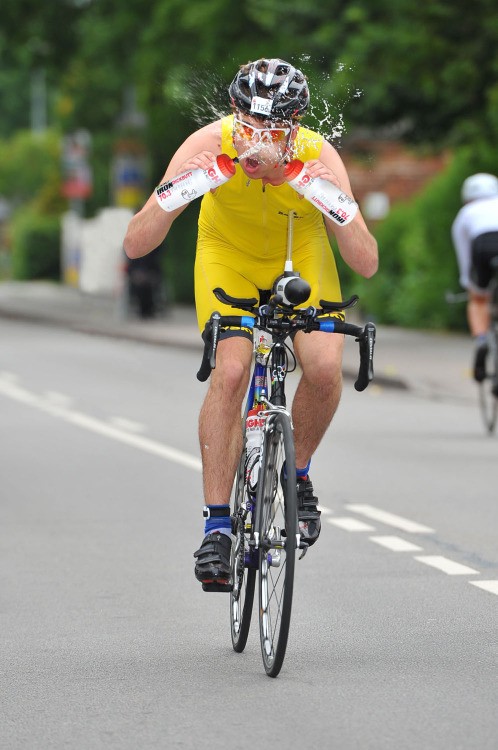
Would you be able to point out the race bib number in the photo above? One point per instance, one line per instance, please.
(260, 106)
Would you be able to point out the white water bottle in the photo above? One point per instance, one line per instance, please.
(327, 197)
(254, 437)
(190, 185)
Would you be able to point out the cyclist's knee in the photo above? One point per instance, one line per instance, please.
(232, 365)
(322, 363)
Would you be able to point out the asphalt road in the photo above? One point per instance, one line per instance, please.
(107, 640)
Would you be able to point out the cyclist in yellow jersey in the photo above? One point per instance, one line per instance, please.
(242, 247)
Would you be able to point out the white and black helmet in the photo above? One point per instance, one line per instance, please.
(270, 88)
(481, 185)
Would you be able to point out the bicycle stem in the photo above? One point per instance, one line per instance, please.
(290, 238)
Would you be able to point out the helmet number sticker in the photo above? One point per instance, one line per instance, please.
(260, 106)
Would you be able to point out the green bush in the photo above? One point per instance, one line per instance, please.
(35, 246)
(30, 171)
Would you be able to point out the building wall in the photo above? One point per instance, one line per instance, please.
(389, 168)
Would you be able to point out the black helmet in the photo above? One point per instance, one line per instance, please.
(270, 88)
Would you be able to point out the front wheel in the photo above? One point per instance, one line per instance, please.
(243, 562)
(277, 525)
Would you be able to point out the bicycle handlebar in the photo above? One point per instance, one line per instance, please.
(291, 320)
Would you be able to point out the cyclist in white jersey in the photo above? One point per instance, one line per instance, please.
(475, 238)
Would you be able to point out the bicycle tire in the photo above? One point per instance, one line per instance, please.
(277, 526)
(488, 400)
(243, 571)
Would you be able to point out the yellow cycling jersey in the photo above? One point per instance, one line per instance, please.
(242, 239)
(253, 219)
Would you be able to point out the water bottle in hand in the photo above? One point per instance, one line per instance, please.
(327, 197)
(194, 183)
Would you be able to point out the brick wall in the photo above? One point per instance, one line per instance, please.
(389, 167)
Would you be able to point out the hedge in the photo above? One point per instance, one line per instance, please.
(35, 246)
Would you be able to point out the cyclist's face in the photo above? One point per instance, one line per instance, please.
(267, 141)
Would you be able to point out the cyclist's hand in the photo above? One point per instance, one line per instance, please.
(203, 160)
(316, 168)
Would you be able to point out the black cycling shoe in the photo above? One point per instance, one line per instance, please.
(307, 512)
(480, 363)
(212, 568)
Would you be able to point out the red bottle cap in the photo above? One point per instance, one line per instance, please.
(292, 169)
(226, 165)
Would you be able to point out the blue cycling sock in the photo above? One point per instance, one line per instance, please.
(482, 338)
(300, 473)
(218, 523)
(303, 473)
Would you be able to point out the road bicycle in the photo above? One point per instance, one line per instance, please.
(488, 388)
(264, 511)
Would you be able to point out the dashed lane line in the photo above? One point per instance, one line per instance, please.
(449, 567)
(10, 389)
(491, 586)
(390, 519)
(350, 524)
(396, 543)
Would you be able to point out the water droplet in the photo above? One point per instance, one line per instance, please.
(203, 94)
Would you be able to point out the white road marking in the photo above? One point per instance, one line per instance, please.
(447, 566)
(56, 404)
(127, 424)
(350, 524)
(60, 399)
(491, 586)
(13, 391)
(325, 511)
(395, 543)
(376, 514)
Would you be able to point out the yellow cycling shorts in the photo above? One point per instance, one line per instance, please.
(218, 264)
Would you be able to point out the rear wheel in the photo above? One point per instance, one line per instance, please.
(243, 563)
(277, 525)
(488, 389)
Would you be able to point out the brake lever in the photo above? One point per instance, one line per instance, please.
(367, 343)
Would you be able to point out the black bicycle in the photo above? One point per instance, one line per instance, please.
(488, 388)
(264, 516)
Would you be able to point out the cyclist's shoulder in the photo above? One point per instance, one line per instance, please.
(313, 145)
(477, 208)
(310, 138)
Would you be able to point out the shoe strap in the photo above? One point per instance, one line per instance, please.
(216, 511)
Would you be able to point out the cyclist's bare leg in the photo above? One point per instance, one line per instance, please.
(478, 313)
(319, 391)
(220, 433)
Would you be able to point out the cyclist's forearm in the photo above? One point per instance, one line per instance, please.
(147, 229)
(358, 247)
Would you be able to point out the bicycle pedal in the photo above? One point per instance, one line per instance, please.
(216, 586)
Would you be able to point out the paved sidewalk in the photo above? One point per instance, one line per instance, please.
(433, 364)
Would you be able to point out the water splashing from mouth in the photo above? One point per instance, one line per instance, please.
(331, 94)
(250, 152)
(204, 95)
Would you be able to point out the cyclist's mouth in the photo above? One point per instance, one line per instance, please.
(250, 164)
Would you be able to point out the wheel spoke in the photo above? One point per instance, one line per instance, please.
(243, 575)
(277, 523)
